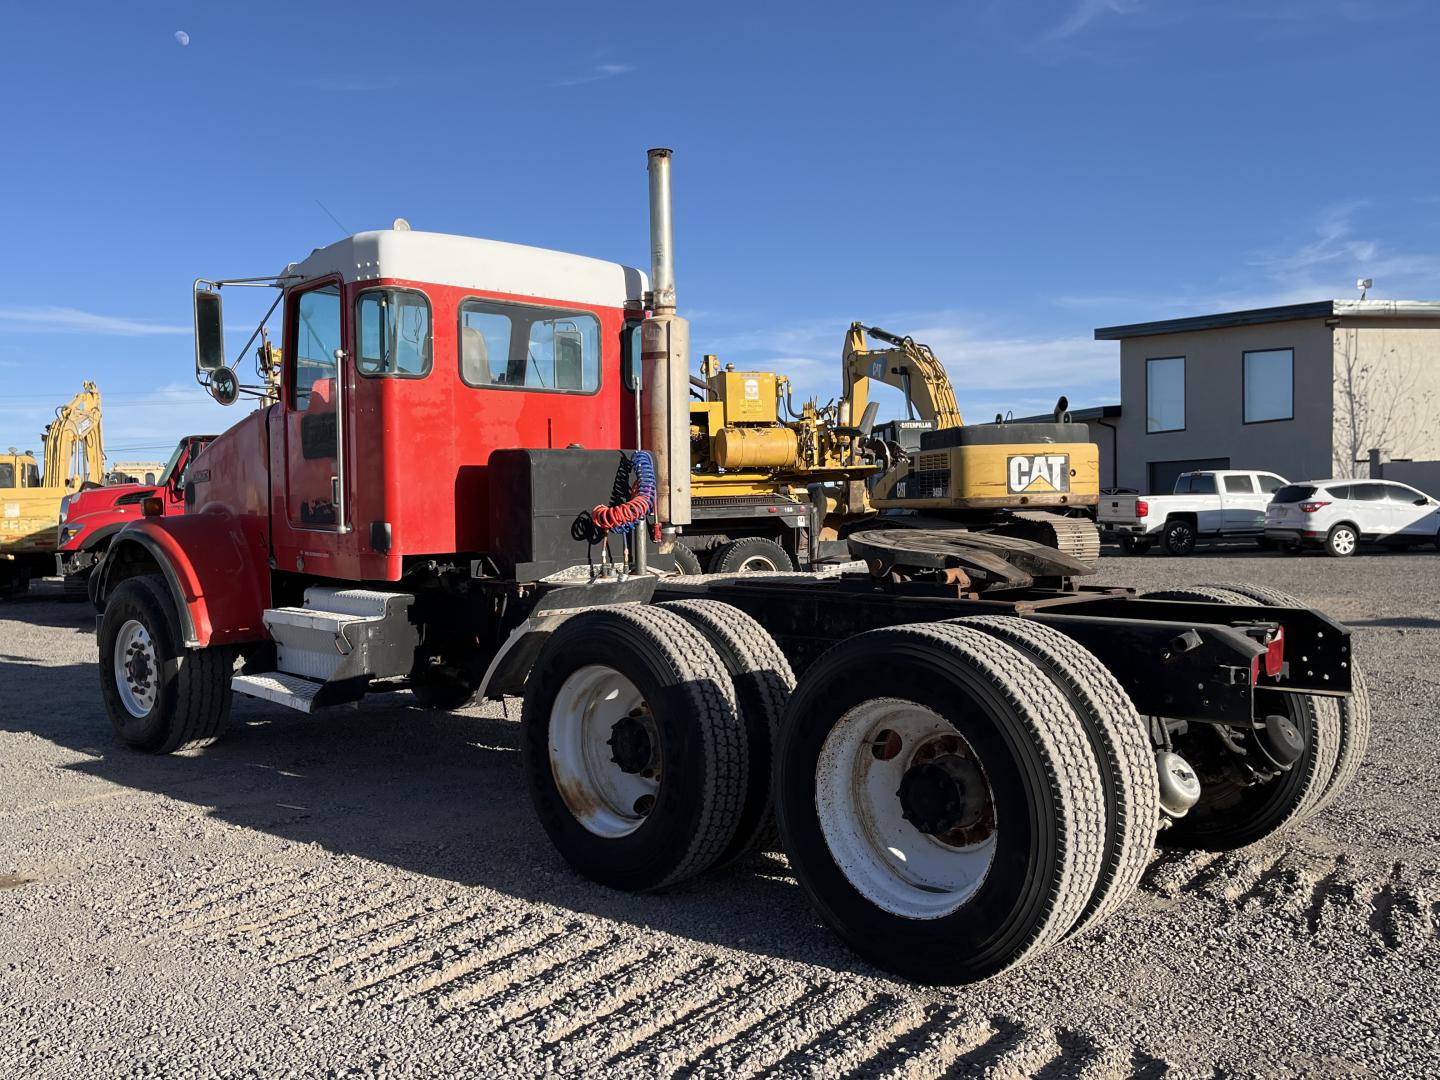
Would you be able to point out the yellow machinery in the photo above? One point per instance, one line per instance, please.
(765, 490)
(1008, 479)
(740, 446)
(30, 501)
(1005, 478)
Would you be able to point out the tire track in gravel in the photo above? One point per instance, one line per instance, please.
(592, 996)
(1316, 894)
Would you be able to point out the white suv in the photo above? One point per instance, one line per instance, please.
(1338, 514)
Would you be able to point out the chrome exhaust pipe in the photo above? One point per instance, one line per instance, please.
(665, 354)
(662, 257)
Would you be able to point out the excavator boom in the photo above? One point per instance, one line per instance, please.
(905, 364)
(74, 450)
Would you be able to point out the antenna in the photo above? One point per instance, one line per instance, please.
(1364, 284)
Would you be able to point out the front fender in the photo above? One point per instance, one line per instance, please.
(219, 586)
(87, 538)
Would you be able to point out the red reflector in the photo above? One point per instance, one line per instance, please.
(154, 506)
(1311, 507)
(1275, 653)
(1142, 508)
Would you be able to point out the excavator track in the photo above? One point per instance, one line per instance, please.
(1074, 536)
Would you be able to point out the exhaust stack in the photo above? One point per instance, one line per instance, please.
(665, 354)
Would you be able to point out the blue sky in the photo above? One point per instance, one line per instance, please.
(996, 178)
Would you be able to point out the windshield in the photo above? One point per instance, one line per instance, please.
(7, 475)
(1293, 493)
(165, 476)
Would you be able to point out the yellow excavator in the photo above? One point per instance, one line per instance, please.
(772, 493)
(1010, 479)
(74, 456)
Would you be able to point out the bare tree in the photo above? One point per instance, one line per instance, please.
(1382, 400)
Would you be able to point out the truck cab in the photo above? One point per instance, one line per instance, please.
(409, 360)
(90, 518)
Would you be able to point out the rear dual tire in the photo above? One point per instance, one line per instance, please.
(634, 748)
(1232, 815)
(996, 846)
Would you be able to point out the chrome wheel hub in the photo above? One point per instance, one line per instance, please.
(137, 669)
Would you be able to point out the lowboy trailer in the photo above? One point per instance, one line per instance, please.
(966, 753)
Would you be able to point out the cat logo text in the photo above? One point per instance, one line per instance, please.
(1038, 474)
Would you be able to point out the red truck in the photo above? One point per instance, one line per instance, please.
(978, 753)
(90, 518)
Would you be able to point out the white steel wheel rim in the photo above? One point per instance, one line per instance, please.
(757, 563)
(137, 670)
(886, 858)
(600, 794)
(1343, 540)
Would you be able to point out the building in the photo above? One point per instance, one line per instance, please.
(1306, 390)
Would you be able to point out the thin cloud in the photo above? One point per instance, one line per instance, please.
(991, 372)
(1086, 12)
(50, 319)
(597, 73)
(1322, 265)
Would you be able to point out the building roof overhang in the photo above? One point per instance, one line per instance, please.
(1320, 309)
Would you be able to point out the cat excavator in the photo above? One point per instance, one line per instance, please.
(74, 457)
(1006, 479)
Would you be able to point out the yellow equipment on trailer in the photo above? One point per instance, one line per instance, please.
(31, 502)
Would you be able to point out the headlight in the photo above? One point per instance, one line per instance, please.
(65, 508)
(67, 534)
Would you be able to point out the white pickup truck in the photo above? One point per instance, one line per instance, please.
(1221, 503)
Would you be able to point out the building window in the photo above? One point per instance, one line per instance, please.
(1165, 394)
(1269, 385)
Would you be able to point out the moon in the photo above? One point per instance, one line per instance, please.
(182, 37)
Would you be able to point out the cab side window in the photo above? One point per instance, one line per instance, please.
(394, 334)
(524, 347)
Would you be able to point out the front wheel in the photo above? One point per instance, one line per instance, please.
(1179, 537)
(1341, 541)
(161, 696)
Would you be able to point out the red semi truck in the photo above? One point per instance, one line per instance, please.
(978, 753)
(91, 517)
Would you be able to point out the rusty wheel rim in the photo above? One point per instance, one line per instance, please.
(604, 751)
(921, 856)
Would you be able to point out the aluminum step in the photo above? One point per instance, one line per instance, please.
(292, 691)
(317, 640)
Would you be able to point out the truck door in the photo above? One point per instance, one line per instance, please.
(312, 395)
(1243, 508)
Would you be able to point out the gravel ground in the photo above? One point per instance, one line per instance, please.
(368, 892)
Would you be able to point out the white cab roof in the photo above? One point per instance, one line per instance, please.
(467, 262)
